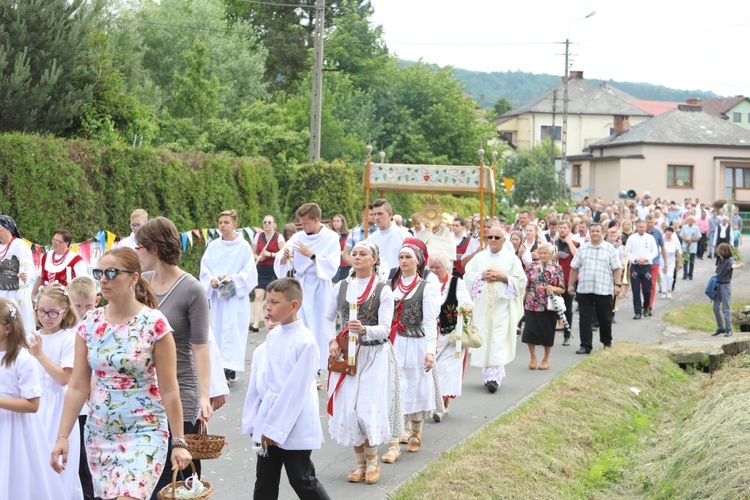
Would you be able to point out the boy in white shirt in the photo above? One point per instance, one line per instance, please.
(281, 407)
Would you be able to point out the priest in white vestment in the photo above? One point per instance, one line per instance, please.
(228, 275)
(314, 254)
(497, 282)
(388, 236)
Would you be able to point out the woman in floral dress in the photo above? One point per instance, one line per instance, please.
(545, 279)
(126, 345)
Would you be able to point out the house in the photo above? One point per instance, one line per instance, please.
(591, 115)
(679, 154)
(733, 109)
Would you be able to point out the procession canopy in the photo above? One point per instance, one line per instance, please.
(435, 179)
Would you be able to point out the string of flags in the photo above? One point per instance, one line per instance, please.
(104, 241)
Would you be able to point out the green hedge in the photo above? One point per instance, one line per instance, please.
(50, 183)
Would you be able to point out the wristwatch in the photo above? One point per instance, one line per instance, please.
(618, 284)
(312, 257)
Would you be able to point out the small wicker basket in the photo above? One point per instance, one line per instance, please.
(204, 446)
(168, 492)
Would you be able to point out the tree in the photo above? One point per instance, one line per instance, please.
(46, 76)
(502, 106)
(197, 94)
(534, 175)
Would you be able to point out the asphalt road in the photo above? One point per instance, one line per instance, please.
(233, 474)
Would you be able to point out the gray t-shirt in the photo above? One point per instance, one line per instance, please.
(186, 309)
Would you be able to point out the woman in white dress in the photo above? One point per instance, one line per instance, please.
(454, 300)
(414, 335)
(17, 272)
(674, 260)
(360, 405)
(25, 473)
(53, 346)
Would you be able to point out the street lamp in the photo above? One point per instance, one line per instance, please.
(564, 159)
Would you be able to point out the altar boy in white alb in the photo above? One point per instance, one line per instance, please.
(228, 275)
(281, 406)
(315, 254)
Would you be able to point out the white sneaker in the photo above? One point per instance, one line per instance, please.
(663, 295)
(669, 295)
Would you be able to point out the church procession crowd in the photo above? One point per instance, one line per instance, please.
(96, 402)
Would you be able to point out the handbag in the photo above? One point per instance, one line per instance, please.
(342, 365)
(555, 303)
(470, 336)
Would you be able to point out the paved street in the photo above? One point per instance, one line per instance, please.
(233, 475)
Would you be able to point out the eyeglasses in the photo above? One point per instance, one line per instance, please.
(110, 273)
(52, 314)
(267, 222)
(135, 226)
(54, 241)
(495, 237)
(138, 247)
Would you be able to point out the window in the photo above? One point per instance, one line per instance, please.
(575, 174)
(547, 131)
(680, 176)
(748, 118)
(736, 178)
(736, 117)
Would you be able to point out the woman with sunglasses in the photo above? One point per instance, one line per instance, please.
(266, 245)
(61, 264)
(185, 305)
(126, 345)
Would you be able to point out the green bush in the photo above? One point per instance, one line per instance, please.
(50, 183)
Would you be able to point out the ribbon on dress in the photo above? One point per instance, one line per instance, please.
(344, 333)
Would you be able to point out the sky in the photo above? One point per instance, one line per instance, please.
(681, 45)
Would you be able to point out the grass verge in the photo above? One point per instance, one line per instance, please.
(706, 454)
(573, 439)
(698, 317)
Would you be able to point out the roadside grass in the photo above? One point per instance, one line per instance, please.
(576, 438)
(704, 454)
(698, 317)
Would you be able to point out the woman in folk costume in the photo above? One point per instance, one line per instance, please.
(61, 264)
(453, 295)
(414, 334)
(365, 408)
(17, 272)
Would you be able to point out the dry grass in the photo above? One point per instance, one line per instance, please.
(707, 455)
(572, 440)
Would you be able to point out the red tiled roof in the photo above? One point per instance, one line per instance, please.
(654, 107)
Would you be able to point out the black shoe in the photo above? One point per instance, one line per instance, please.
(614, 321)
(728, 333)
(230, 375)
(637, 316)
(253, 329)
(608, 346)
(690, 278)
(566, 341)
(717, 332)
(583, 350)
(647, 313)
(492, 386)
(684, 277)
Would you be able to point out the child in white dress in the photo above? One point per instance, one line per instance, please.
(25, 472)
(53, 346)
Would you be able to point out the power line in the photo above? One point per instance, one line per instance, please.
(295, 6)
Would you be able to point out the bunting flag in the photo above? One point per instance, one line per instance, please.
(197, 233)
(101, 237)
(205, 236)
(189, 237)
(110, 240)
(84, 250)
(184, 239)
(250, 232)
(31, 245)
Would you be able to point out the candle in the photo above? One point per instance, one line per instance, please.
(68, 275)
(352, 346)
(20, 285)
(460, 330)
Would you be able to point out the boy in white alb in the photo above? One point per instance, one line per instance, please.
(281, 407)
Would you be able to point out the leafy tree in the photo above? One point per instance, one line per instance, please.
(534, 174)
(502, 106)
(334, 186)
(197, 94)
(46, 76)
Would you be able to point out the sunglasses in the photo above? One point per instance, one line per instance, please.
(110, 273)
(495, 238)
(52, 314)
(267, 222)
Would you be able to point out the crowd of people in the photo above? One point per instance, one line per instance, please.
(106, 395)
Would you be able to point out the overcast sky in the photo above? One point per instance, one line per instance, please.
(681, 45)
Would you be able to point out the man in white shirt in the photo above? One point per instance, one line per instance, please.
(388, 236)
(137, 219)
(643, 250)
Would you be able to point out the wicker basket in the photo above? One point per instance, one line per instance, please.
(204, 446)
(168, 492)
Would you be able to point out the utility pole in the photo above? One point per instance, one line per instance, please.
(316, 100)
(564, 159)
(554, 134)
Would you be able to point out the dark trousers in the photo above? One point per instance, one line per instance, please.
(568, 299)
(588, 305)
(702, 245)
(83, 465)
(166, 475)
(299, 470)
(687, 271)
(640, 281)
